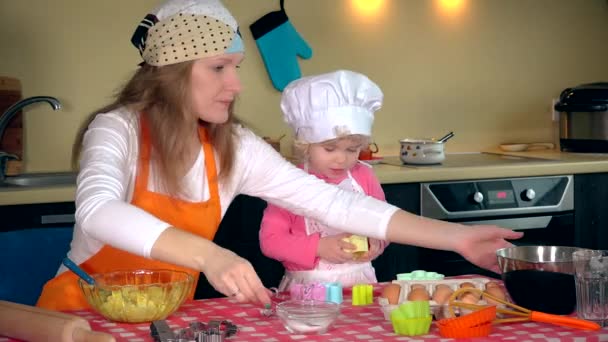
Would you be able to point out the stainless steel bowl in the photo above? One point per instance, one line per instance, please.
(543, 258)
(540, 278)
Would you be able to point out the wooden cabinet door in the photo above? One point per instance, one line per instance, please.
(12, 139)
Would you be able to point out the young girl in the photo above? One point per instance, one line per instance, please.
(331, 116)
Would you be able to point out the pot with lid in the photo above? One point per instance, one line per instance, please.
(423, 151)
(583, 118)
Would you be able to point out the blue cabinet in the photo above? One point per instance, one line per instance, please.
(28, 259)
(34, 238)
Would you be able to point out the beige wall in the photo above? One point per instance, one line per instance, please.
(487, 73)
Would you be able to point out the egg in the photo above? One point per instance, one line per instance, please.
(495, 291)
(414, 286)
(418, 294)
(391, 293)
(469, 298)
(467, 284)
(492, 284)
(442, 293)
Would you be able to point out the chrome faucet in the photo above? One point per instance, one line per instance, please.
(10, 113)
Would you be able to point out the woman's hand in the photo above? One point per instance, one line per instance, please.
(478, 244)
(227, 272)
(334, 250)
(234, 276)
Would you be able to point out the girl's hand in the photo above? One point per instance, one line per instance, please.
(375, 249)
(334, 250)
(478, 244)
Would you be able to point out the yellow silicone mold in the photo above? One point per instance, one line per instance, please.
(412, 318)
(363, 294)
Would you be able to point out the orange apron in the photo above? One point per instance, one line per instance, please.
(201, 218)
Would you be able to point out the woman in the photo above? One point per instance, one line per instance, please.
(161, 164)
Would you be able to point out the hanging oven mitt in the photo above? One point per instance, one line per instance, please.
(280, 44)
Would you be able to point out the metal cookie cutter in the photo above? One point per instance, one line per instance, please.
(160, 331)
(214, 331)
(276, 298)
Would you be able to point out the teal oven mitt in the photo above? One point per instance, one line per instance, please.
(280, 44)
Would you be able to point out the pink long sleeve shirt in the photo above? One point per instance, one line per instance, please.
(283, 234)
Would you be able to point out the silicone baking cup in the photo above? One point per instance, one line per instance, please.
(412, 318)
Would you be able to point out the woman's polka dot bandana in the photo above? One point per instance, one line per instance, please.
(191, 31)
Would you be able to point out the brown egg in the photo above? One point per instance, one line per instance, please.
(495, 291)
(442, 293)
(469, 298)
(492, 284)
(418, 294)
(391, 293)
(467, 284)
(415, 286)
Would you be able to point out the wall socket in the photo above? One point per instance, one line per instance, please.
(554, 113)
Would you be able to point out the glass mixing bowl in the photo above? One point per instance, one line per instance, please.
(137, 296)
(307, 316)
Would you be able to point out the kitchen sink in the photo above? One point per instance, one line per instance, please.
(40, 180)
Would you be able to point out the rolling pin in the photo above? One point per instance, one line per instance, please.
(34, 324)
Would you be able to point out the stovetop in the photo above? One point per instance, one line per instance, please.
(469, 160)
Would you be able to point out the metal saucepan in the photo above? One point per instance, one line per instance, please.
(423, 151)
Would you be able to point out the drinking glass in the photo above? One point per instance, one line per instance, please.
(591, 281)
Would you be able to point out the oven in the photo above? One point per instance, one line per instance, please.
(540, 207)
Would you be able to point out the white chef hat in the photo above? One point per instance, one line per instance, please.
(329, 106)
(184, 30)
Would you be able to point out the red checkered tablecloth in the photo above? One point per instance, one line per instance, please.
(356, 323)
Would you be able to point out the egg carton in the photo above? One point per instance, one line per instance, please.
(430, 285)
(437, 310)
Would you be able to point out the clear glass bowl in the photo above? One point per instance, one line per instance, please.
(137, 296)
(307, 316)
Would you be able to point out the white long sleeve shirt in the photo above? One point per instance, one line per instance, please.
(108, 167)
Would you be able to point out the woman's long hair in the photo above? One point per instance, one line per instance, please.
(163, 94)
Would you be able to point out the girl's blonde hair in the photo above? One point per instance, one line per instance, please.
(301, 148)
(163, 95)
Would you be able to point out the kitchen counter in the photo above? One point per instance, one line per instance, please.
(471, 166)
(548, 162)
(30, 195)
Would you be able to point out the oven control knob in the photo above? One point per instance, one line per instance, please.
(477, 197)
(528, 194)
